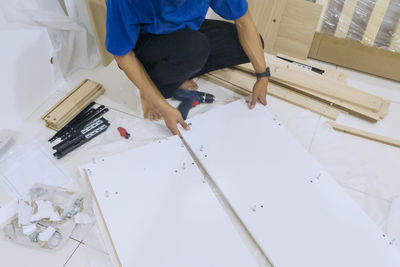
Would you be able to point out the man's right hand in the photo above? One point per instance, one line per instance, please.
(172, 117)
(165, 111)
(153, 103)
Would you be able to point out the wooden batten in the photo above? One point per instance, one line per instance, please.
(365, 134)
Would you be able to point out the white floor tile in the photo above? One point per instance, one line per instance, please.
(385, 88)
(14, 255)
(376, 208)
(358, 163)
(86, 256)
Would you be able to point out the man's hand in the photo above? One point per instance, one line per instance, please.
(259, 92)
(172, 117)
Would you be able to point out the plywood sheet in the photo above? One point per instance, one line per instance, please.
(26, 73)
(295, 211)
(161, 213)
(267, 16)
(297, 28)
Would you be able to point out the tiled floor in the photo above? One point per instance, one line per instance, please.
(368, 171)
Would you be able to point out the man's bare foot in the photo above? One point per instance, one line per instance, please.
(189, 85)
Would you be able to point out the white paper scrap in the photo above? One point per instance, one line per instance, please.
(55, 217)
(24, 212)
(46, 234)
(29, 229)
(44, 210)
(83, 218)
(393, 224)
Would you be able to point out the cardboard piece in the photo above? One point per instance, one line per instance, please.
(355, 55)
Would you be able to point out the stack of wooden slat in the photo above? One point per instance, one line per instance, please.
(326, 94)
(73, 103)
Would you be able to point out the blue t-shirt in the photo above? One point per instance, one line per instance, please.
(126, 19)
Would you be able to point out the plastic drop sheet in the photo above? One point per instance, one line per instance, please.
(74, 45)
(371, 22)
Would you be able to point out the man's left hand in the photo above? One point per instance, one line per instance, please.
(259, 92)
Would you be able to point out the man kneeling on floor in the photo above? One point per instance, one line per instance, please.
(161, 45)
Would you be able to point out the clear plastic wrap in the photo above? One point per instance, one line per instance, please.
(48, 219)
(371, 22)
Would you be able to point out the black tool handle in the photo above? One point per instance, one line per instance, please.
(184, 108)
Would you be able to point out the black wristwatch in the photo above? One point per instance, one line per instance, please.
(266, 74)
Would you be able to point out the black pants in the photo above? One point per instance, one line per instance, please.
(171, 59)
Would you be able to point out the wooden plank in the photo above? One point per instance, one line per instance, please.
(62, 99)
(220, 82)
(85, 90)
(267, 16)
(385, 109)
(355, 55)
(345, 19)
(246, 82)
(285, 198)
(375, 21)
(97, 10)
(103, 226)
(329, 72)
(297, 28)
(325, 5)
(365, 134)
(164, 214)
(77, 109)
(70, 112)
(343, 105)
(395, 42)
(330, 88)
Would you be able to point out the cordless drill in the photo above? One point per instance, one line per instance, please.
(191, 99)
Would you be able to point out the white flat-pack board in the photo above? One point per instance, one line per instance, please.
(159, 210)
(26, 72)
(295, 211)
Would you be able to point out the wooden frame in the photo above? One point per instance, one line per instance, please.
(73, 103)
(375, 21)
(346, 16)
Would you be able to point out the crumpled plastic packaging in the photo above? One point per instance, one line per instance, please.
(351, 19)
(49, 219)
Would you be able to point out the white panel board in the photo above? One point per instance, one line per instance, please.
(295, 211)
(160, 213)
(26, 73)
